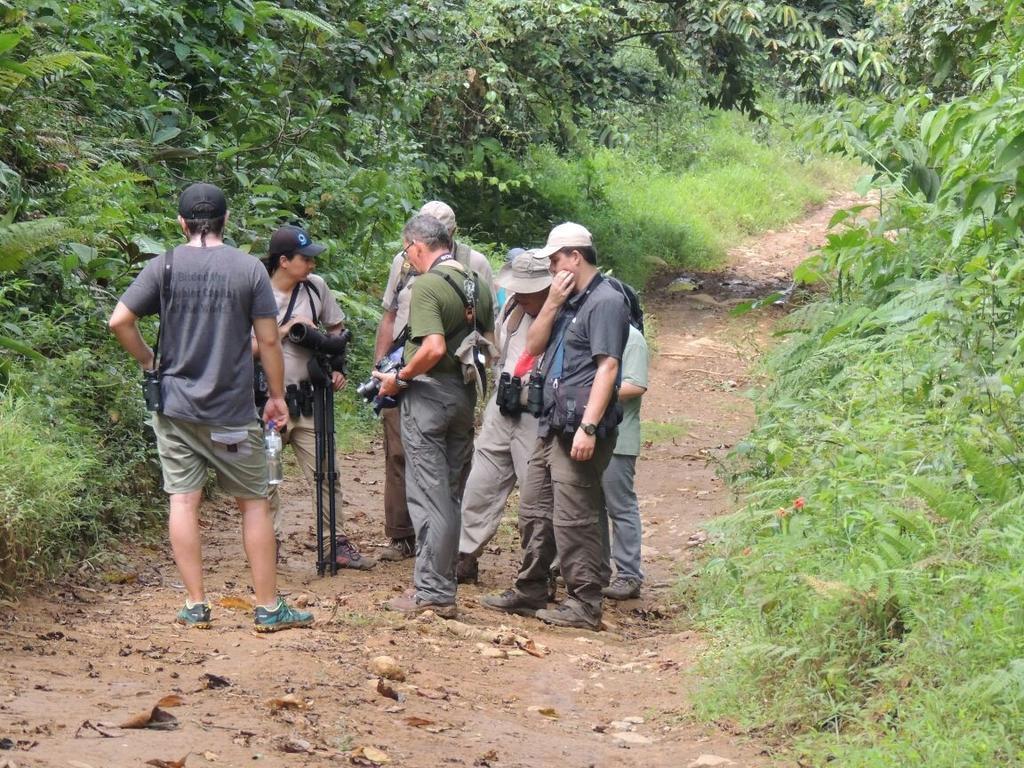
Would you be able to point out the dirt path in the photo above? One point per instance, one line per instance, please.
(87, 657)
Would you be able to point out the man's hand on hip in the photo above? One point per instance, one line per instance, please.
(276, 410)
(583, 446)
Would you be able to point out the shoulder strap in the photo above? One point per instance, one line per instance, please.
(565, 320)
(165, 296)
(310, 290)
(516, 312)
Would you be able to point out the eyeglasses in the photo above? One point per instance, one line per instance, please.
(405, 250)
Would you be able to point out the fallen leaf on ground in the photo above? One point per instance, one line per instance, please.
(215, 681)
(531, 647)
(235, 603)
(386, 666)
(386, 690)
(157, 763)
(432, 694)
(155, 717)
(289, 701)
(368, 756)
(418, 722)
(545, 711)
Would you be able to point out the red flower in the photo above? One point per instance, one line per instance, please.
(798, 503)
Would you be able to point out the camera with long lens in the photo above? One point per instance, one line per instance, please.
(151, 391)
(535, 396)
(334, 348)
(369, 390)
(510, 390)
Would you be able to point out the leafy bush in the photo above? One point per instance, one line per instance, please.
(880, 616)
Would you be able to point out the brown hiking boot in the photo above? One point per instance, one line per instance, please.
(350, 557)
(399, 549)
(467, 570)
(408, 604)
(570, 613)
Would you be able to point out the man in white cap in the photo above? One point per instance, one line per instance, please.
(581, 331)
(509, 432)
(398, 526)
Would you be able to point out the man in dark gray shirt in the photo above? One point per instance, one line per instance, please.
(210, 297)
(581, 330)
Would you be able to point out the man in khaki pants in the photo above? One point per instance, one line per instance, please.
(509, 432)
(398, 525)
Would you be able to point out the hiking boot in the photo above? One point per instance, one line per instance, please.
(399, 549)
(410, 605)
(281, 617)
(196, 617)
(622, 588)
(571, 614)
(511, 601)
(350, 557)
(467, 570)
(553, 586)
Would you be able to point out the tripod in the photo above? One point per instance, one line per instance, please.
(323, 427)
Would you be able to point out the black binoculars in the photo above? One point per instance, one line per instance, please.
(535, 396)
(151, 391)
(299, 399)
(510, 390)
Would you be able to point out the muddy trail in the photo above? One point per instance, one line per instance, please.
(99, 652)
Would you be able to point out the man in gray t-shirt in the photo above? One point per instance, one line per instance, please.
(210, 297)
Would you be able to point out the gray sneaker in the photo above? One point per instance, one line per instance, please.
(511, 601)
(571, 613)
(399, 549)
(622, 589)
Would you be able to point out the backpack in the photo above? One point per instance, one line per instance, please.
(632, 299)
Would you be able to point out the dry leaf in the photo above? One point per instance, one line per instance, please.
(418, 722)
(433, 695)
(235, 603)
(368, 756)
(157, 763)
(215, 681)
(289, 701)
(550, 712)
(155, 717)
(171, 700)
(386, 690)
(531, 647)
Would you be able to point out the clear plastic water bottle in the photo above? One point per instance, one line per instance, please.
(272, 440)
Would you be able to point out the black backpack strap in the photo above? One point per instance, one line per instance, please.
(165, 296)
(310, 291)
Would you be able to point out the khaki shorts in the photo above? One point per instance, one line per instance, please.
(187, 451)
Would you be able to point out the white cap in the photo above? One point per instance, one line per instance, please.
(567, 235)
(440, 211)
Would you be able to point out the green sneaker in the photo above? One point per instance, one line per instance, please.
(282, 617)
(196, 617)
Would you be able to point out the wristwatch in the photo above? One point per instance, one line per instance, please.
(400, 382)
(589, 429)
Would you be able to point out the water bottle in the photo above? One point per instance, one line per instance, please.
(272, 440)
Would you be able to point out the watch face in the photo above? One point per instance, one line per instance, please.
(589, 429)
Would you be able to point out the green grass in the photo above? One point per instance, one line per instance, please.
(643, 215)
(655, 432)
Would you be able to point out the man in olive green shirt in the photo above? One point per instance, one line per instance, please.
(448, 303)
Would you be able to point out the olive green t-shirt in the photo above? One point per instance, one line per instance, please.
(435, 307)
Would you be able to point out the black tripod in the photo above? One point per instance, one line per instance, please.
(323, 426)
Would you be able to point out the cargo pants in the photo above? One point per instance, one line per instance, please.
(560, 512)
(437, 434)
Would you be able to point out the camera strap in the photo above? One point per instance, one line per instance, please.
(165, 297)
(564, 320)
(310, 291)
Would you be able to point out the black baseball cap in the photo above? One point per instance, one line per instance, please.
(202, 201)
(292, 239)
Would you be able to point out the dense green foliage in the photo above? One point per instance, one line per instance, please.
(881, 614)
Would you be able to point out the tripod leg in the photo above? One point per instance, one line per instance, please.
(318, 415)
(332, 475)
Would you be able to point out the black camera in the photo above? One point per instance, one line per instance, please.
(334, 348)
(510, 390)
(369, 390)
(535, 396)
(151, 391)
